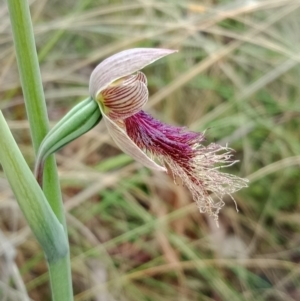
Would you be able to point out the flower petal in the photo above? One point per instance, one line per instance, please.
(127, 145)
(139, 76)
(122, 64)
(125, 100)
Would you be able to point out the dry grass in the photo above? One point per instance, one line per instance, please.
(134, 234)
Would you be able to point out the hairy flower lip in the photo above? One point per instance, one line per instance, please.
(183, 153)
(128, 146)
(123, 64)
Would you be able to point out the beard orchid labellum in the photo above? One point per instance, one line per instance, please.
(121, 91)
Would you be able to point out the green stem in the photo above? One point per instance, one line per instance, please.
(58, 277)
(29, 69)
(32, 87)
(31, 199)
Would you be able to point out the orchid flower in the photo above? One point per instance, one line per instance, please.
(121, 91)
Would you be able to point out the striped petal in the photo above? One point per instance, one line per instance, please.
(127, 145)
(123, 64)
(125, 100)
(139, 76)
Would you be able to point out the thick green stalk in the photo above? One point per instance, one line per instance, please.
(31, 199)
(37, 114)
(82, 118)
(29, 69)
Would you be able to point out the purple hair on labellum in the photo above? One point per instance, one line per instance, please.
(162, 139)
(182, 150)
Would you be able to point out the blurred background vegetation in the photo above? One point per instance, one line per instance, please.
(135, 234)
